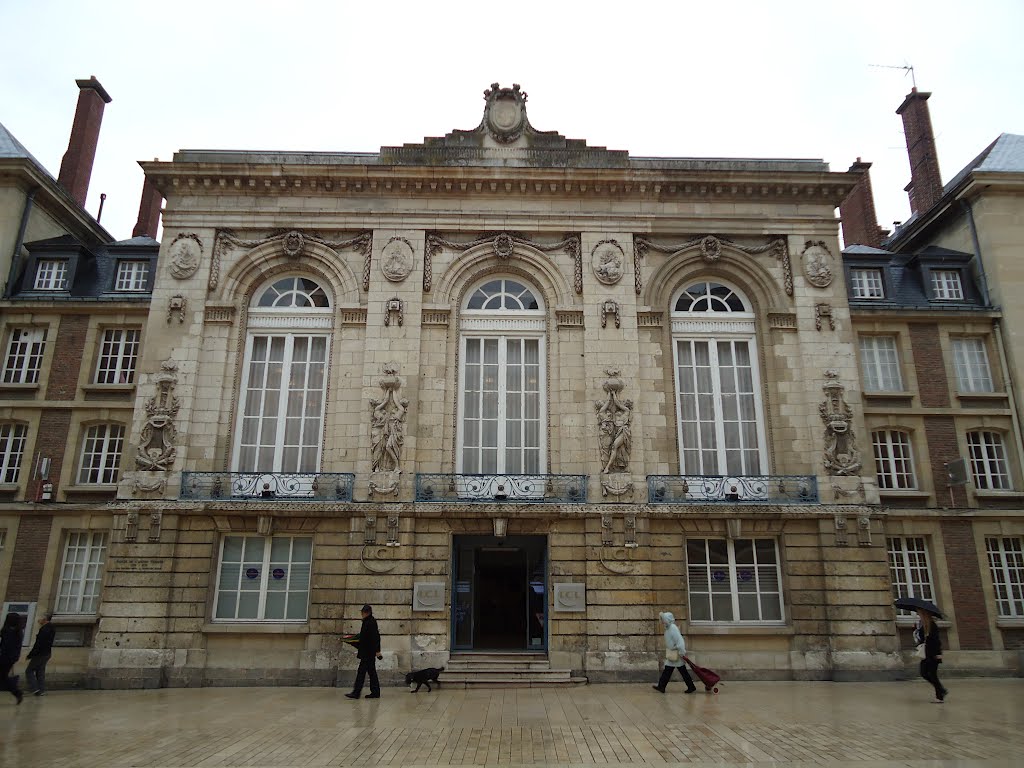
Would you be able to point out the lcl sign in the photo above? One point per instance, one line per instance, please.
(570, 597)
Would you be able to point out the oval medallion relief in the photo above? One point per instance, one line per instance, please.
(396, 259)
(608, 261)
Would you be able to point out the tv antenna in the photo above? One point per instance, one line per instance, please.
(904, 67)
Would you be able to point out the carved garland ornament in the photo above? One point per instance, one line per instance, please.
(185, 252)
(156, 451)
(842, 457)
(502, 245)
(615, 438)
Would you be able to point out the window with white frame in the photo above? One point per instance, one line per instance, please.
(119, 353)
(132, 276)
(264, 578)
(284, 382)
(894, 460)
(501, 429)
(946, 285)
(909, 568)
(12, 450)
(1006, 564)
(989, 467)
(101, 454)
(866, 283)
(24, 358)
(880, 364)
(970, 358)
(718, 391)
(734, 580)
(51, 275)
(81, 572)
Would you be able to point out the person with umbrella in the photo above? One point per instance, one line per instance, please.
(927, 633)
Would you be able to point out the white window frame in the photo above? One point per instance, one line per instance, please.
(26, 347)
(12, 450)
(81, 573)
(970, 358)
(118, 355)
(867, 283)
(946, 285)
(51, 275)
(132, 275)
(894, 469)
(1006, 567)
(266, 570)
(735, 573)
(990, 468)
(880, 363)
(910, 569)
(102, 450)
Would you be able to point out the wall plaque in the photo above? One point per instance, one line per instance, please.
(140, 564)
(570, 597)
(428, 596)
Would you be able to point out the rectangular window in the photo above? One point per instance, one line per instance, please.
(971, 360)
(866, 283)
(24, 355)
(119, 352)
(988, 461)
(894, 462)
(946, 285)
(908, 565)
(101, 454)
(736, 580)
(264, 578)
(132, 276)
(81, 572)
(51, 275)
(12, 449)
(880, 364)
(1006, 564)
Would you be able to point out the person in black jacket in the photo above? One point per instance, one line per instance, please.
(10, 652)
(368, 651)
(35, 672)
(927, 632)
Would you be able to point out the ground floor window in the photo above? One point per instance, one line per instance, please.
(264, 578)
(81, 573)
(737, 580)
(908, 566)
(1006, 563)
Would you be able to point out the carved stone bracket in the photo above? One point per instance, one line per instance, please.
(393, 305)
(824, 312)
(864, 530)
(711, 250)
(503, 245)
(185, 252)
(131, 525)
(156, 519)
(840, 524)
(611, 307)
(176, 307)
(614, 421)
(156, 449)
(842, 457)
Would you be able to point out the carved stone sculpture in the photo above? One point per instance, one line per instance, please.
(608, 261)
(387, 433)
(817, 264)
(842, 457)
(614, 420)
(156, 451)
(396, 260)
(185, 251)
(611, 307)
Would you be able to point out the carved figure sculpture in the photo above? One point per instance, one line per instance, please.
(387, 423)
(156, 449)
(614, 418)
(842, 457)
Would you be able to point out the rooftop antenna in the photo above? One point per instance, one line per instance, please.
(905, 67)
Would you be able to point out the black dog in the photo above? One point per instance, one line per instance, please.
(423, 677)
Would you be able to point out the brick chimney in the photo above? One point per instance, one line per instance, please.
(857, 211)
(76, 167)
(149, 211)
(925, 187)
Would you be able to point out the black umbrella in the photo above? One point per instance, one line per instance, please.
(913, 603)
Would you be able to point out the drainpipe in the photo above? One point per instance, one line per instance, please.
(1008, 387)
(29, 200)
(977, 249)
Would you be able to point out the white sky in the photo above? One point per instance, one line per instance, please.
(767, 78)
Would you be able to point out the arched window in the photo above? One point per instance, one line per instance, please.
(718, 391)
(501, 380)
(894, 460)
(284, 380)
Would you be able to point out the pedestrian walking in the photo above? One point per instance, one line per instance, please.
(367, 651)
(927, 632)
(675, 649)
(39, 654)
(10, 652)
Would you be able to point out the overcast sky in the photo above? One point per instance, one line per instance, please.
(680, 79)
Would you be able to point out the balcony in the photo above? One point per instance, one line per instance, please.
(267, 486)
(490, 489)
(737, 489)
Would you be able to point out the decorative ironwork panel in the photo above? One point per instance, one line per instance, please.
(738, 489)
(518, 489)
(267, 486)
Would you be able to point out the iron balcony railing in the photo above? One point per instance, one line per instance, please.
(525, 489)
(735, 489)
(267, 486)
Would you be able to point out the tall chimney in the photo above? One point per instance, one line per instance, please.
(925, 187)
(149, 211)
(857, 211)
(76, 167)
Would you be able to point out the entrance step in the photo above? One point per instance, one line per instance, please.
(506, 670)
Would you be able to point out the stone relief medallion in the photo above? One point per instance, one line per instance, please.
(505, 113)
(608, 262)
(294, 244)
(817, 261)
(710, 248)
(503, 245)
(396, 259)
(185, 253)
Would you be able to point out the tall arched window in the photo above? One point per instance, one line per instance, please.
(280, 421)
(718, 390)
(501, 380)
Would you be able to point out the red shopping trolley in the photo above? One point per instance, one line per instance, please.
(706, 676)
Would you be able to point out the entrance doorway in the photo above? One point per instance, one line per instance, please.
(499, 593)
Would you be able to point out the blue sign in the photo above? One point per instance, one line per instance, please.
(277, 573)
(252, 573)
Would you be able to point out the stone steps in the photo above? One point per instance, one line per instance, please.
(505, 670)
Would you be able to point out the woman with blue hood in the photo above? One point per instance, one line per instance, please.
(675, 649)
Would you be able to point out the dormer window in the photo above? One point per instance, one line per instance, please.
(866, 283)
(946, 285)
(132, 275)
(51, 275)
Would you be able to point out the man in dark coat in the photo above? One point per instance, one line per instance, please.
(35, 672)
(368, 651)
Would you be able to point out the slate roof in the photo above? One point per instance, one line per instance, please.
(11, 148)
